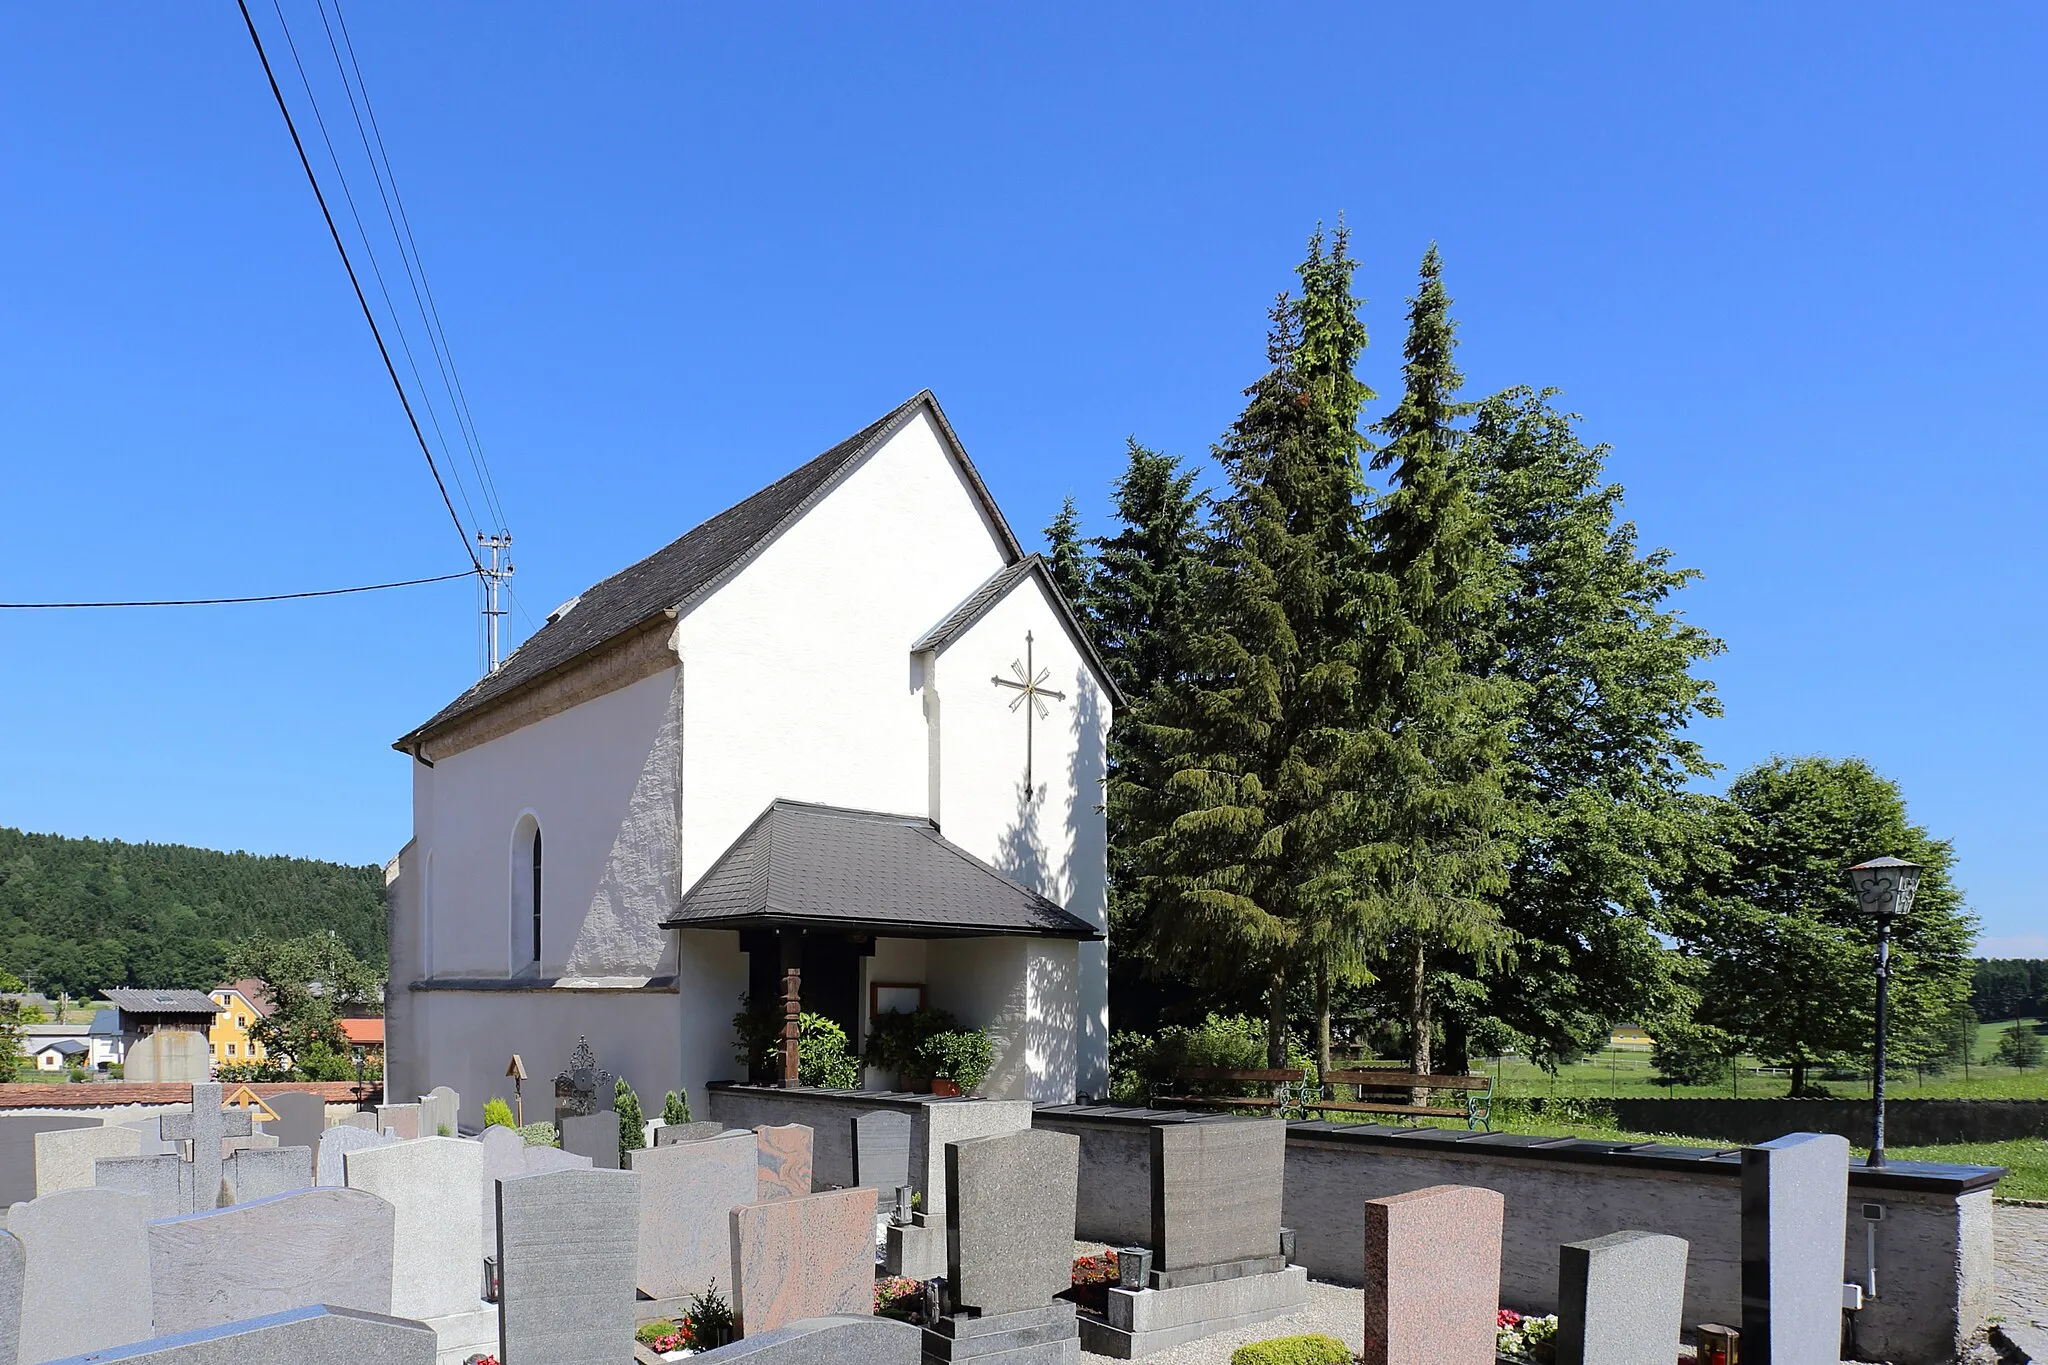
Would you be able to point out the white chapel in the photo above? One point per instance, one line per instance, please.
(848, 723)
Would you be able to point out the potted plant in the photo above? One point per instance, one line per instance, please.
(896, 1040)
(959, 1060)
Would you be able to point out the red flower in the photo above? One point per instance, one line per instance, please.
(1507, 1317)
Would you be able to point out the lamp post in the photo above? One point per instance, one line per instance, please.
(1884, 889)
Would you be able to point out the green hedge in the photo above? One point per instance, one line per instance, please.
(1305, 1350)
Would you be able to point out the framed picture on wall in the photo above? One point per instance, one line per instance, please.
(901, 997)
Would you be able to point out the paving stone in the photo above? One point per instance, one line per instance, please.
(401, 1119)
(1432, 1276)
(687, 1194)
(593, 1135)
(881, 1150)
(259, 1172)
(18, 1150)
(313, 1335)
(86, 1274)
(1010, 1219)
(566, 1268)
(158, 1179)
(939, 1122)
(1216, 1191)
(840, 1340)
(808, 1256)
(335, 1144)
(784, 1160)
(1620, 1299)
(327, 1246)
(669, 1134)
(1795, 1193)
(437, 1262)
(301, 1118)
(64, 1156)
(13, 1268)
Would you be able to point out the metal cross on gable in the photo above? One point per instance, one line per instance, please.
(1031, 690)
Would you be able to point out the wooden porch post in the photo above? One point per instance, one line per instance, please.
(792, 1006)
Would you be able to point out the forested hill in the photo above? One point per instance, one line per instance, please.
(85, 914)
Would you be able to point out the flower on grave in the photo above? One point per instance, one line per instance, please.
(898, 1296)
(1524, 1338)
(1097, 1269)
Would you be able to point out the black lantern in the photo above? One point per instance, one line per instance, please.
(1884, 890)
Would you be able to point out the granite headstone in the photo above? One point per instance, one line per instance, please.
(1432, 1276)
(939, 1122)
(1620, 1299)
(881, 1150)
(785, 1160)
(840, 1340)
(204, 1130)
(809, 1256)
(301, 1118)
(593, 1135)
(158, 1179)
(64, 1156)
(314, 1335)
(669, 1134)
(330, 1246)
(440, 1109)
(18, 1150)
(402, 1120)
(335, 1144)
(436, 1267)
(13, 1267)
(1216, 1192)
(1795, 1200)
(71, 1240)
(1010, 1219)
(687, 1194)
(566, 1275)
(259, 1172)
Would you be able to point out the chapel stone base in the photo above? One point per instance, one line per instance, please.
(1141, 1321)
(1030, 1336)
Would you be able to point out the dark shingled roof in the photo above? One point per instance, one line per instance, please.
(672, 577)
(824, 867)
(131, 1000)
(983, 600)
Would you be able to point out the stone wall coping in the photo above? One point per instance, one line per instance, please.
(116, 1094)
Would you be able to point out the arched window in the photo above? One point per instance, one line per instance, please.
(526, 902)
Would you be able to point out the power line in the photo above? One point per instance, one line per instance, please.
(382, 350)
(231, 601)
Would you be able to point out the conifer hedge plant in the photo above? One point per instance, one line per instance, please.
(1312, 1349)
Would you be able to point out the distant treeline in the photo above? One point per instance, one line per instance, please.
(2010, 988)
(81, 915)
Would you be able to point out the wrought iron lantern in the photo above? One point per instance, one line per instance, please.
(1884, 887)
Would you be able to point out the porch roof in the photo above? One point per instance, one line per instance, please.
(803, 866)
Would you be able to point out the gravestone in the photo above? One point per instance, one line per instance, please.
(13, 1268)
(64, 1156)
(1432, 1276)
(501, 1154)
(566, 1272)
(362, 1118)
(441, 1108)
(314, 1335)
(152, 1132)
(942, 1121)
(158, 1179)
(1216, 1198)
(1620, 1299)
(593, 1135)
(687, 1194)
(254, 1142)
(401, 1120)
(784, 1160)
(437, 1265)
(584, 1088)
(1010, 1219)
(1795, 1198)
(840, 1340)
(334, 1146)
(809, 1256)
(881, 1150)
(668, 1134)
(330, 1246)
(301, 1118)
(18, 1150)
(86, 1279)
(203, 1130)
(259, 1172)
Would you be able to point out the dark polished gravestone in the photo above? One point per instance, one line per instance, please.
(1795, 1199)
(1216, 1199)
(313, 1335)
(1009, 1250)
(301, 1118)
(565, 1267)
(593, 1135)
(1620, 1299)
(881, 1150)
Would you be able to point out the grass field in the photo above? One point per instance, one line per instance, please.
(1626, 1073)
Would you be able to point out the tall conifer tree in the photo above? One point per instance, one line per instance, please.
(1437, 742)
(1258, 745)
(1066, 556)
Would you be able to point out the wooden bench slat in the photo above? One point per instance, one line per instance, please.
(1224, 1073)
(1220, 1101)
(1408, 1080)
(1360, 1107)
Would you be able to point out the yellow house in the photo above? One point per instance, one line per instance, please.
(1630, 1035)
(242, 1005)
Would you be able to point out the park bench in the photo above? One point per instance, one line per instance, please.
(1475, 1094)
(1223, 1087)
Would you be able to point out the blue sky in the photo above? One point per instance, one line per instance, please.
(1785, 259)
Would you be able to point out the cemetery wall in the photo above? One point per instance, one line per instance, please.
(1908, 1123)
(828, 1113)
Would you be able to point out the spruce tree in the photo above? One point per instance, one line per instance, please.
(1433, 854)
(1067, 558)
(1257, 744)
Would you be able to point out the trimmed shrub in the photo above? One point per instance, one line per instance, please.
(540, 1134)
(632, 1123)
(1314, 1349)
(498, 1114)
(675, 1108)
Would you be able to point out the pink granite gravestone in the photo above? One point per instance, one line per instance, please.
(808, 1256)
(782, 1161)
(1432, 1276)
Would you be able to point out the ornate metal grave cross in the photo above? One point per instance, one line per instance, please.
(583, 1088)
(1031, 690)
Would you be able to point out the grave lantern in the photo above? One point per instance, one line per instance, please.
(1884, 889)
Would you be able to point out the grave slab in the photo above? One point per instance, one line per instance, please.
(939, 1122)
(1140, 1322)
(436, 1267)
(18, 1150)
(1216, 1189)
(301, 1118)
(687, 1194)
(1795, 1194)
(809, 1256)
(881, 1150)
(313, 1335)
(784, 1153)
(13, 1268)
(593, 1135)
(1620, 1299)
(64, 1156)
(844, 1340)
(260, 1172)
(1010, 1219)
(158, 1179)
(76, 1238)
(1432, 1276)
(1049, 1334)
(567, 1272)
(668, 1134)
(400, 1119)
(362, 1118)
(335, 1145)
(327, 1246)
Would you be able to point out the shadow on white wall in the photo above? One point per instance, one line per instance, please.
(620, 936)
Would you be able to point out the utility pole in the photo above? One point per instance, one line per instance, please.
(493, 576)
